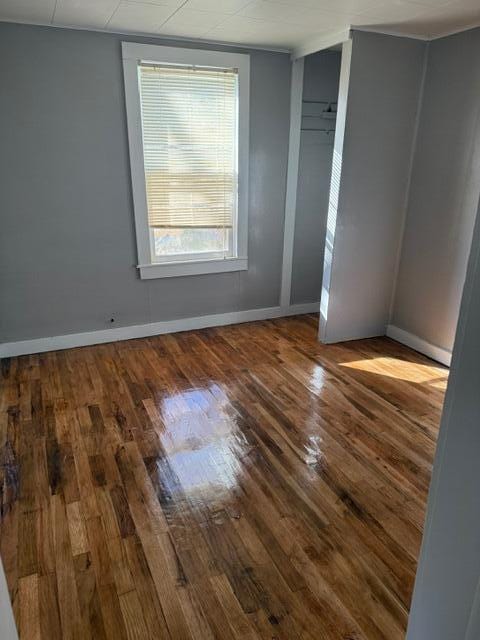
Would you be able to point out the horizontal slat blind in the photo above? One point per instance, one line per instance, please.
(189, 125)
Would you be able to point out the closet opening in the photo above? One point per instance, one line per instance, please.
(321, 77)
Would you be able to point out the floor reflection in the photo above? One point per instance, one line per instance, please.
(202, 440)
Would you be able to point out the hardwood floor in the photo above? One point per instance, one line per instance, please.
(241, 482)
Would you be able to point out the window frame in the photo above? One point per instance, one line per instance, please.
(132, 55)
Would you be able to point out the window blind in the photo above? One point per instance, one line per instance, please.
(189, 128)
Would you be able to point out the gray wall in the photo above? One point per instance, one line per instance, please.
(9, 630)
(446, 599)
(374, 166)
(444, 192)
(321, 77)
(67, 244)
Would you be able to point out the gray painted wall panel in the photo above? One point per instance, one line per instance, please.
(446, 598)
(321, 78)
(9, 630)
(67, 247)
(385, 78)
(444, 193)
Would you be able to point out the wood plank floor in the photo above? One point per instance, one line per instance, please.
(241, 482)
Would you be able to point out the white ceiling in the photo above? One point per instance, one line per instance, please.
(285, 24)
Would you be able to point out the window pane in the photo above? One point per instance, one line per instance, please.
(189, 124)
(191, 240)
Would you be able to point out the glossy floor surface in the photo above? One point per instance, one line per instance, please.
(241, 482)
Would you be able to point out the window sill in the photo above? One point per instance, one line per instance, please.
(192, 268)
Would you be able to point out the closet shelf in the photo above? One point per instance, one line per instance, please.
(319, 109)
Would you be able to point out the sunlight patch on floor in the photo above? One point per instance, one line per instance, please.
(402, 370)
(440, 384)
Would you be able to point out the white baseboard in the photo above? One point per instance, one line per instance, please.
(54, 343)
(444, 356)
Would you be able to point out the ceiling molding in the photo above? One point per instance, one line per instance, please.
(308, 46)
(325, 41)
(416, 36)
(154, 36)
(387, 32)
(452, 32)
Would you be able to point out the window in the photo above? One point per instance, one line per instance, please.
(187, 114)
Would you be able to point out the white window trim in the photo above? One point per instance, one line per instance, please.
(132, 54)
